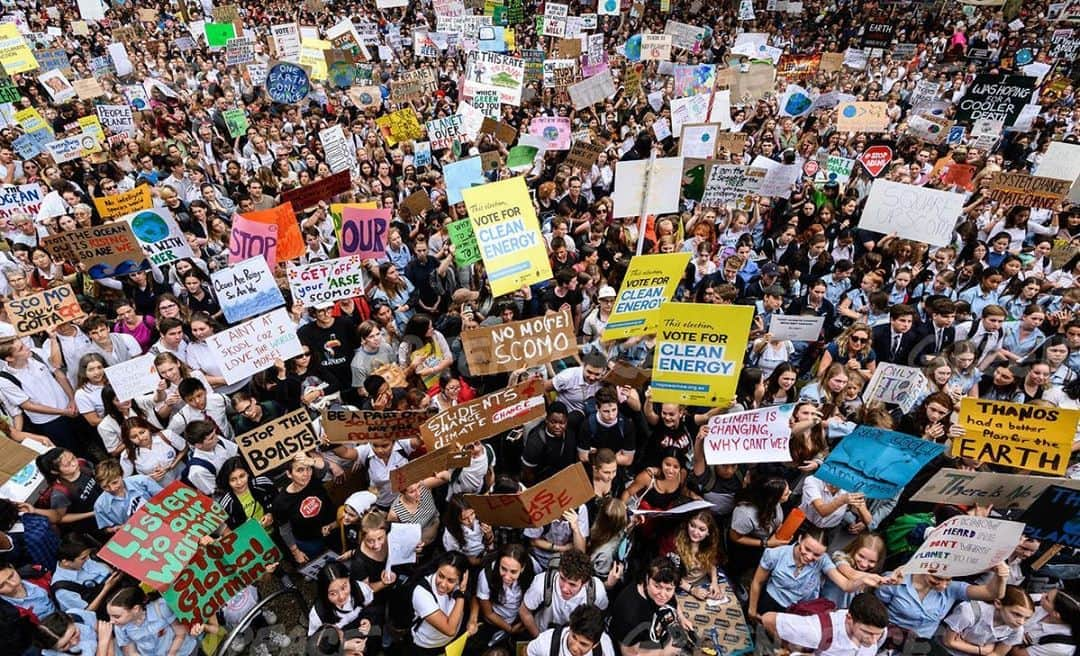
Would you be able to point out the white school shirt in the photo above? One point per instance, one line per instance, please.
(560, 609)
(348, 614)
(541, 645)
(510, 605)
(379, 471)
(974, 622)
(805, 631)
(425, 603)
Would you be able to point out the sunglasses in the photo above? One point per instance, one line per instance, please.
(857, 340)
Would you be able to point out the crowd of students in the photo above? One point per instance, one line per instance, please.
(993, 315)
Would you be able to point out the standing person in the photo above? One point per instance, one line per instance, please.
(303, 510)
(330, 339)
(43, 394)
(858, 630)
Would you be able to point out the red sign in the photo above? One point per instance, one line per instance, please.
(875, 158)
(810, 168)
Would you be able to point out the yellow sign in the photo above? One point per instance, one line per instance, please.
(1034, 438)
(699, 352)
(15, 55)
(117, 205)
(399, 126)
(649, 283)
(312, 57)
(508, 234)
(30, 120)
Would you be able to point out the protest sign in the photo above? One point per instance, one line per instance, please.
(125, 202)
(427, 465)
(218, 34)
(486, 416)
(162, 536)
(655, 47)
(323, 189)
(999, 97)
(246, 289)
(797, 328)
(15, 54)
(239, 50)
(276, 442)
(699, 352)
(698, 140)
(895, 383)
(107, 251)
(116, 119)
(287, 83)
(463, 174)
(554, 131)
(504, 220)
(328, 281)
(363, 232)
(44, 310)
(592, 90)
(15, 461)
(490, 71)
(366, 425)
(650, 281)
(876, 462)
(1010, 189)
(160, 237)
(583, 155)
(1003, 491)
(20, 199)
(537, 506)
(219, 571)
(236, 122)
(133, 378)
(912, 212)
(862, 117)
(466, 248)
(400, 126)
(751, 436)
(731, 183)
(253, 345)
(1052, 517)
(416, 204)
(515, 345)
(286, 41)
(630, 177)
(963, 545)
(252, 239)
(1016, 435)
(1062, 162)
(443, 132)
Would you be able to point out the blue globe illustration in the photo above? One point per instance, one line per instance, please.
(149, 227)
(849, 111)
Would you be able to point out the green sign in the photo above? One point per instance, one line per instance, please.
(466, 248)
(219, 571)
(237, 122)
(9, 93)
(521, 157)
(218, 34)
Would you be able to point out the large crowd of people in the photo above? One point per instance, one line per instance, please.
(994, 314)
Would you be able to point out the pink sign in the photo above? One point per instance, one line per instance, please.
(363, 232)
(252, 239)
(555, 131)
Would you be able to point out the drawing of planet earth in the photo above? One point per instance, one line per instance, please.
(149, 227)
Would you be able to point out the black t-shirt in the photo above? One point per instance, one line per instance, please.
(549, 454)
(637, 621)
(306, 511)
(333, 346)
(552, 301)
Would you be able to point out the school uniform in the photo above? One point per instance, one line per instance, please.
(154, 635)
(541, 644)
(920, 615)
(974, 622)
(788, 583)
(806, 631)
(111, 510)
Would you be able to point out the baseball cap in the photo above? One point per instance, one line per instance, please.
(769, 269)
(606, 292)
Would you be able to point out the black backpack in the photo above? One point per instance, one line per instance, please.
(556, 643)
(549, 590)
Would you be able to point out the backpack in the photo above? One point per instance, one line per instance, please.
(14, 379)
(826, 632)
(556, 643)
(549, 590)
(906, 533)
(185, 476)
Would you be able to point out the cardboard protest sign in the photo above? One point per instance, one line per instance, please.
(20, 199)
(304, 197)
(328, 281)
(14, 458)
(583, 155)
(895, 383)
(416, 204)
(504, 221)
(162, 536)
(876, 462)
(429, 464)
(699, 352)
(862, 117)
(1010, 189)
(650, 281)
(486, 416)
(160, 237)
(916, 213)
(998, 97)
(1052, 517)
(218, 571)
(527, 343)
(1016, 435)
(537, 506)
(275, 443)
(252, 239)
(751, 436)
(253, 345)
(367, 425)
(44, 310)
(133, 378)
(108, 250)
(554, 131)
(363, 232)
(963, 545)
(797, 328)
(699, 140)
(1003, 491)
(624, 373)
(246, 289)
(287, 83)
(125, 202)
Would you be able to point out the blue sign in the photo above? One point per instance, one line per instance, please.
(287, 83)
(956, 135)
(877, 462)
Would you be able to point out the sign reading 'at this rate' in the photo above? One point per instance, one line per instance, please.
(650, 281)
(699, 351)
(486, 416)
(1016, 435)
(45, 309)
(518, 344)
(368, 425)
(537, 506)
(506, 228)
(275, 443)
(163, 535)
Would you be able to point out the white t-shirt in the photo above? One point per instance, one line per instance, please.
(560, 609)
(1037, 627)
(974, 622)
(541, 645)
(511, 604)
(473, 545)
(806, 632)
(815, 488)
(379, 471)
(571, 388)
(425, 603)
(349, 612)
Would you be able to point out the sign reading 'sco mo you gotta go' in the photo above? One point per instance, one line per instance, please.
(517, 344)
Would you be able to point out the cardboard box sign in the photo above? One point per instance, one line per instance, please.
(450, 457)
(527, 343)
(272, 445)
(537, 506)
(486, 416)
(367, 425)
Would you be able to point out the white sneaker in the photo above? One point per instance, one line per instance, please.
(270, 616)
(278, 640)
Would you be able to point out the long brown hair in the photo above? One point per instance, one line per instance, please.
(707, 555)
